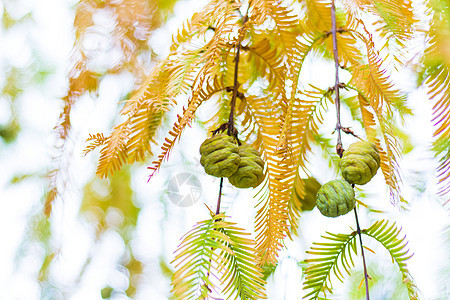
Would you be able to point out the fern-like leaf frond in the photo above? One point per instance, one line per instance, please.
(218, 248)
(142, 132)
(207, 19)
(310, 34)
(372, 83)
(267, 62)
(96, 140)
(319, 14)
(242, 275)
(307, 116)
(390, 237)
(334, 256)
(396, 18)
(437, 69)
(368, 119)
(394, 23)
(193, 259)
(114, 154)
(185, 119)
(284, 35)
(272, 215)
(122, 144)
(147, 108)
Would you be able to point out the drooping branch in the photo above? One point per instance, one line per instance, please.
(230, 124)
(339, 148)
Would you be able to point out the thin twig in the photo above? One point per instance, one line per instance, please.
(339, 148)
(366, 276)
(220, 197)
(217, 212)
(231, 89)
(231, 130)
(212, 248)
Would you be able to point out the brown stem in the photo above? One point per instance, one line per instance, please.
(220, 196)
(339, 148)
(231, 130)
(366, 276)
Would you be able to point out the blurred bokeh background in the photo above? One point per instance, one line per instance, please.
(114, 238)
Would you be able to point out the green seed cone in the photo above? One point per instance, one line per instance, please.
(220, 156)
(250, 172)
(360, 162)
(308, 198)
(335, 198)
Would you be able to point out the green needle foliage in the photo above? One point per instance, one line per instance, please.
(335, 257)
(331, 257)
(390, 238)
(216, 248)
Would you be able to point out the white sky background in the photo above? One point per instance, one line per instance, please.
(425, 223)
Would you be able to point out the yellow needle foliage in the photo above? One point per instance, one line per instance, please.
(275, 112)
(283, 118)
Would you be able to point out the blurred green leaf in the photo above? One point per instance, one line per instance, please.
(166, 270)
(135, 268)
(108, 203)
(8, 21)
(14, 81)
(106, 292)
(10, 131)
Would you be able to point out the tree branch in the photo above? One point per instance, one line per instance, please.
(230, 125)
(339, 148)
